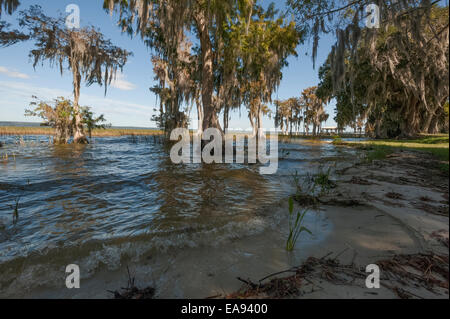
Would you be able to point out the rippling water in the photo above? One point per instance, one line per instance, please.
(117, 199)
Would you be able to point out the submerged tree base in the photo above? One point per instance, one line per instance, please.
(81, 140)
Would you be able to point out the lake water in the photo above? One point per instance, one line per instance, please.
(117, 201)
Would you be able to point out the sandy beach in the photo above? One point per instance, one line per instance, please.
(379, 210)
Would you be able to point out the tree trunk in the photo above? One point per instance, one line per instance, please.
(200, 118)
(79, 136)
(429, 125)
(252, 122)
(210, 119)
(411, 124)
(225, 118)
(433, 128)
(259, 132)
(61, 133)
(260, 118)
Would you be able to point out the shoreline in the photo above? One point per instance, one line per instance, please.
(112, 132)
(382, 212)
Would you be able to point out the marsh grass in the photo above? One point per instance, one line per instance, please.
(108, 132)
(296, 227)
(323, 181)
(15, 208)
(313, 185)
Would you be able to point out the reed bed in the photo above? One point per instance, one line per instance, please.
(110, 132)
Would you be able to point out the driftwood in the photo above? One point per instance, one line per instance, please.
(425, 270)
(132, 292)
(419, 270)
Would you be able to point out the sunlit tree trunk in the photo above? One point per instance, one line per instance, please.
(210, 119)
(260, 118)
(79, 136)
(253, 124)
(259, 126)
(61, 134)
(200, 118)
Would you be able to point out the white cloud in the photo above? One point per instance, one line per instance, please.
(120, 83)
(13, 74)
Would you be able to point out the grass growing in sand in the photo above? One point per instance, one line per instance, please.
(296, 227)
(437, 145)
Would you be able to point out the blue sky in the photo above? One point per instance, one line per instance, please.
(128, 101)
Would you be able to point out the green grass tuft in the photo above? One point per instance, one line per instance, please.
(296, 227)
(379, 152)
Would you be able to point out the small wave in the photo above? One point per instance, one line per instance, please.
(47, 267)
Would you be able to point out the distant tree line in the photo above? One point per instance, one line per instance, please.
(298, 115)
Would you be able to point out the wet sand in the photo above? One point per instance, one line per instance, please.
(381, 210)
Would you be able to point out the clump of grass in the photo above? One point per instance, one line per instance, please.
(337, 140)
(296, 227)
(15, 208)
(378, 152)
(322, 180)
(305, 193)
(311, 186)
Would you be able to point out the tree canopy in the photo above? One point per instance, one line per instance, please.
(236, 57)
(84, 52)
(9, 6)
(62, 117)
(307, 109)
(399, 84)
(9, 37)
